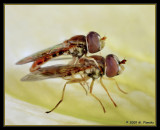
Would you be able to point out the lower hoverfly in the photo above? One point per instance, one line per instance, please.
(110, 66)
(77, 46)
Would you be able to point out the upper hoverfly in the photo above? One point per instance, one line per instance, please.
(110, 66)
(77, 46)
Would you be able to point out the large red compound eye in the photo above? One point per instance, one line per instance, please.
(93, 40)
(112, 65)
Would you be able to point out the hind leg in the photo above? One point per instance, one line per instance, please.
(74, 80)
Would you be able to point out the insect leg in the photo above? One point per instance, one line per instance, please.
(107, 92)
(81, 83)
(76, 80)
(85, 81)
(91, 87)
(83, 87)
(60, 100)
(117, 85)
(72, 61)
(90, 58)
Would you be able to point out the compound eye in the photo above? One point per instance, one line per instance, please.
(112, 65)
(93, 40)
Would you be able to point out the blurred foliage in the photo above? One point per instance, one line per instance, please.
(130, 31)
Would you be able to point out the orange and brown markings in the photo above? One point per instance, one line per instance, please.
(63, 71)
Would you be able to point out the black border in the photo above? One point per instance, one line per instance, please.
(3, 2)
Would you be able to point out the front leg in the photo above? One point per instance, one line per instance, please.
(116, 84)
(73, 61)
(90, 58)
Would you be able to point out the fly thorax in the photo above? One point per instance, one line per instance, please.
(78, 51)
(94, 73)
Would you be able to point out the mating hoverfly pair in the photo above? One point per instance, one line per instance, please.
(87, 67)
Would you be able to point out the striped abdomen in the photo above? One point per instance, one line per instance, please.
(54, 72)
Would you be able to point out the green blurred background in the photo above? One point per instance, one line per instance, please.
(130, 31)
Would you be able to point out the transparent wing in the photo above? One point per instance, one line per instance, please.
(49, 51)
(54, 71)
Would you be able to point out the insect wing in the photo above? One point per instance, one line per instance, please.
(54, 71)
(35, 76)
(43, 53)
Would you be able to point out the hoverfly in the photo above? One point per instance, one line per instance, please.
(77, 46)
(110, 66)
